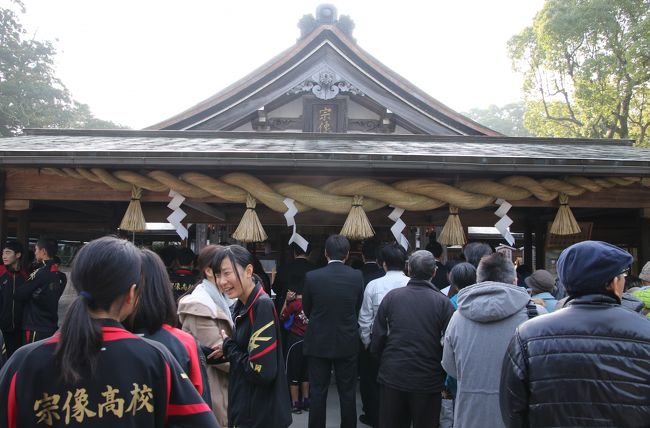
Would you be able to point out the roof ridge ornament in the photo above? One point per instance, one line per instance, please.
(326, 84)
(326, 14)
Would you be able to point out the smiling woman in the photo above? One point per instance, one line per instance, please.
(258, 394)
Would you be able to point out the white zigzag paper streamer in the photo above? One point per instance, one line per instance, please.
(505, 222)
(178, 214)
(398, 227)
(291, 222)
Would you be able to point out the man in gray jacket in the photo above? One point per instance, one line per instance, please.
(477, 338)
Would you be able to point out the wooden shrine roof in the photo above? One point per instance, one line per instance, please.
(329, 44)
(293, 152)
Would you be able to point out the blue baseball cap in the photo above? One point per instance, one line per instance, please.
(589, 266)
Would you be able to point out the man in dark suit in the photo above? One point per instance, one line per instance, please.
(331, 300)
(370, 269)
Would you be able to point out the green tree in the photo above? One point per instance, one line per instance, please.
(508, 120)
(586, 66)
(30, 93)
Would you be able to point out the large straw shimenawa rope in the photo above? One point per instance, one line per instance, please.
(338, 196)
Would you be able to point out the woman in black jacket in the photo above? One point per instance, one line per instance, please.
(258, 385)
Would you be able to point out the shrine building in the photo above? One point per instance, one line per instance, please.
(328, 129)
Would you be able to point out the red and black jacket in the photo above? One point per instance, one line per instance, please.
(40, 295)
(258, 396)
(137, 383)
(186, 351)
(11, 313)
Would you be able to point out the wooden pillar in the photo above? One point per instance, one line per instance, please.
(528, 240)
(22, 229)
(201, 236)
(644, 250)
(3, 212)
(540, 241)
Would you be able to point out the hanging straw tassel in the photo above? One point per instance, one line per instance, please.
(453, 232)
(357, 226)
(133, 220)
(250, 229)
(565, 223)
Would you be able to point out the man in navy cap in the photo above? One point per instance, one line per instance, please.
(587, 364)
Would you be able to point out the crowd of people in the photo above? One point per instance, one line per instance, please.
(178, 339)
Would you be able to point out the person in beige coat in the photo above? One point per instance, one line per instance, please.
(204, 313)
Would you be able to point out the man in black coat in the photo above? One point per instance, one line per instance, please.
(407, 338)
(370, 269)
(331, 300)
(586, 364)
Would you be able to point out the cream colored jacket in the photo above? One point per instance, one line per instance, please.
(202, 318)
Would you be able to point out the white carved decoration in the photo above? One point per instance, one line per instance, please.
(326, 84)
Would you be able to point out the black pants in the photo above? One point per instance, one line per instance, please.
(398, 408)
(13, 340)
(368, 370)
(31, 336)
(345, 372)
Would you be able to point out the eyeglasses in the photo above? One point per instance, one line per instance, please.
(625, 273)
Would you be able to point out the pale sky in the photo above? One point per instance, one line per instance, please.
(138, 62)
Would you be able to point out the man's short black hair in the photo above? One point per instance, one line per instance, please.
(393, 255)
(337, 247)
(462, 275)
(475, 251)
(435, 248)
(168, 255)
(369, 249)
(185, 256)
(51, 246)
(14, 246)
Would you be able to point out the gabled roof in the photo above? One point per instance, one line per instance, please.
(326, 46)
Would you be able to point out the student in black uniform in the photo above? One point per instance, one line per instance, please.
(41, 293)
(155, 316)
(258, 394)
(12, 276)
(94, 372)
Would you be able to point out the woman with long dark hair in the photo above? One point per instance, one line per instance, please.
(204, 313)
(155, 318)
(258, 385)
(93, 372)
